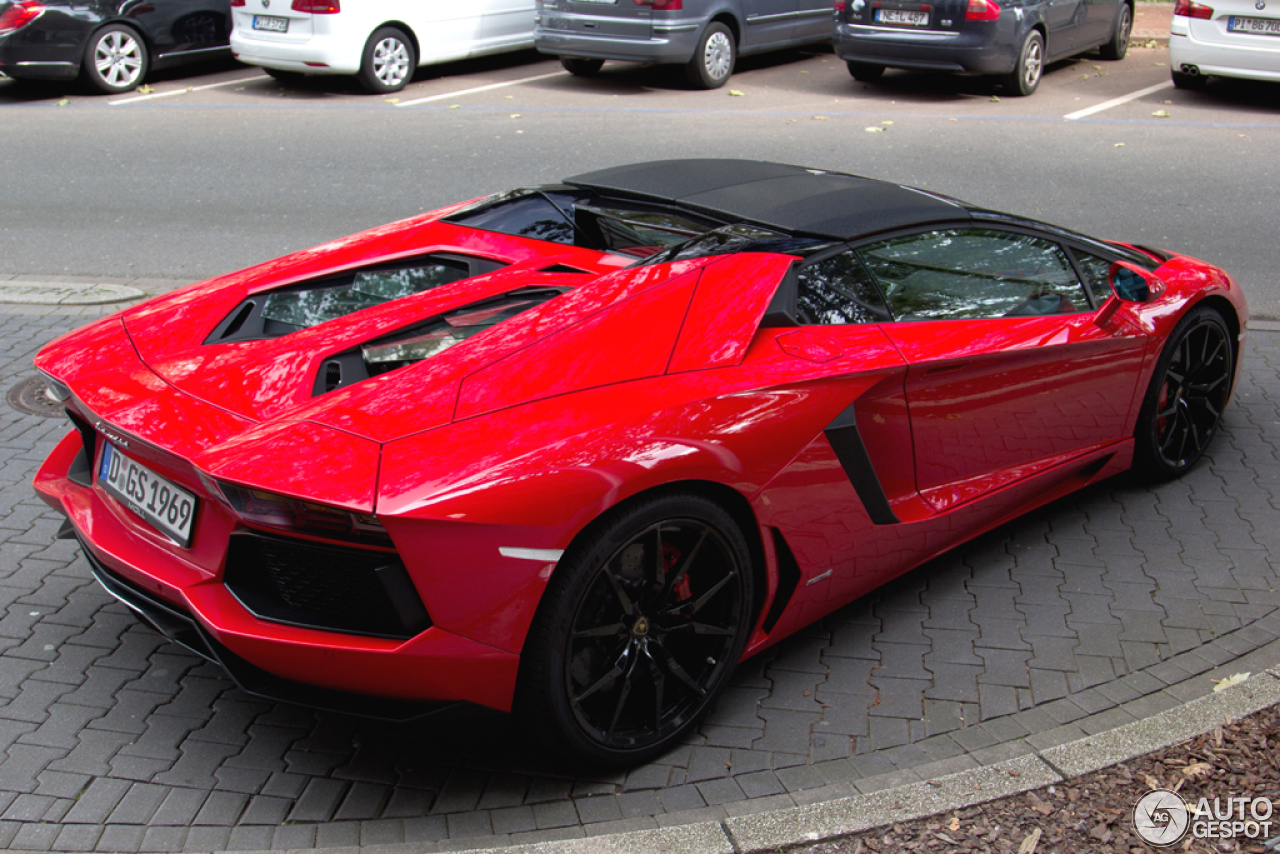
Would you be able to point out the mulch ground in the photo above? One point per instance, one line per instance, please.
(1094, 813)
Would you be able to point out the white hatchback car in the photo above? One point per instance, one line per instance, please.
(379, 41)
(1224, 38)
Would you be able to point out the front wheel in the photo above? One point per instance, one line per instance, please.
(579, 67)
(1118, 46)
(389, 61)
(1025, 78)
(714, 58)
(640, 627)
(115, 60)
(865, 71)
(1188, 392)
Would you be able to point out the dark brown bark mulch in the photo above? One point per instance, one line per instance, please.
(1093, 813)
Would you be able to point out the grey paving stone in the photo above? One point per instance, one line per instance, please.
(98, 801)
(162, 840)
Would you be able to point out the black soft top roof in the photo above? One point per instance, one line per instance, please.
(789, 198)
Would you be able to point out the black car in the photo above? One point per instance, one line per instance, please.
(1010, 38)
(113, 42)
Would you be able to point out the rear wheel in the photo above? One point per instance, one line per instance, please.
(865, 71)
(713, 60)
(1189, 390)
(115, 60)
(1188, 81)
(638, 630)
(1119, 44)
(1026, 75)
(389, 61)
(581, 67)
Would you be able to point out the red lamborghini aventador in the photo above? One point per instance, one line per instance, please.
(578, 449)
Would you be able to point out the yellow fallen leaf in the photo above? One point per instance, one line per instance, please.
(953, 120)
(1161, 114)
(995, 97)
(1197, 769)
(802, 71)
(393, 100)
(509, 97)
(146, 90)
(454, 106)
(874, 130)
(886, 122)
(1096, 67)
(820, 118)
(515, 115)
(1085, 76)
(1166, 102)
(735, 93)
(1119, 145)
(1029, 844)
(954, 824)
(1233, 679)
(64, 102)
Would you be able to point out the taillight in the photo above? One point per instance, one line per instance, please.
(982, 10)
(840, 4)
(19, 15)
(237, 2)
(1192, 9)
(301, 517)
(662, 5)
(318, 7)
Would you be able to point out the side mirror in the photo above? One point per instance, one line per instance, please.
(1131, 283)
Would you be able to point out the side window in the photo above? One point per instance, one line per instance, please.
(1094, 270)
(961, 274)
(838, 291)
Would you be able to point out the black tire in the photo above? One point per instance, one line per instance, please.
(581, 67)
(616, 670)
(713, 59)
(388, 63)
(1026, 75)
(283, 76)
(1189, 390)
(1118, 46)
(865, 71)
(116, 60)
(1191, 82)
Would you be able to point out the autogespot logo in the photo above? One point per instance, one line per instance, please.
(1161, 818)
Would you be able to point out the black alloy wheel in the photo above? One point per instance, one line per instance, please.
(638, 631)
(1026, 75)
(1188, 393)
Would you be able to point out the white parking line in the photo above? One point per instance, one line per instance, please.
(1115, 102)
(155, 95)
(481, 88)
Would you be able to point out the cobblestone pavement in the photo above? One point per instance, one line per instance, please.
(1102, 608)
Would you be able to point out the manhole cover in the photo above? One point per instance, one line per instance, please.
(32, 398)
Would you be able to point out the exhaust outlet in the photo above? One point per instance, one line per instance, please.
(1190, 70)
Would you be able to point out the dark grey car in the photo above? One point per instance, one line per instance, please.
(706, 36)
(1010, 38)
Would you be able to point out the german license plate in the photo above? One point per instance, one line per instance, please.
(902, 17)
(1260, 26)
(164, 505)
(271, 23)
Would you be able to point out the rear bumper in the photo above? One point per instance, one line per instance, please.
(674, 45)
(992, 49)
(316, 55)
(1246, 61)
(318, 668)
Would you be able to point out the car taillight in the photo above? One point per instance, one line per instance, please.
(1191, 9)
(237, 2)
(318, 7)
(982, 10)
(19, 15)
(282, 513)
(663, 5)
(840, 4)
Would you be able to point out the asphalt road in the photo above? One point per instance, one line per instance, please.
(221, 168)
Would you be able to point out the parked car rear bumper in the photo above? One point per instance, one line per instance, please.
(669, 45)
(313, 56)
(1244, 61)
(989, 50)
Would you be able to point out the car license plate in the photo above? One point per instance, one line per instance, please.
(902, 17)
(271, 23)
(1261, 26)
(164, 505)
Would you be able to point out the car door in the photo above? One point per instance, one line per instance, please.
(814, 20)
(1010, 370)
(768, 22)
(507, 23)
(1065, 21)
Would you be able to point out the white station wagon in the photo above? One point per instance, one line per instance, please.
(379, 41)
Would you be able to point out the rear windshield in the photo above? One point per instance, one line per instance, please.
(578, 217)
